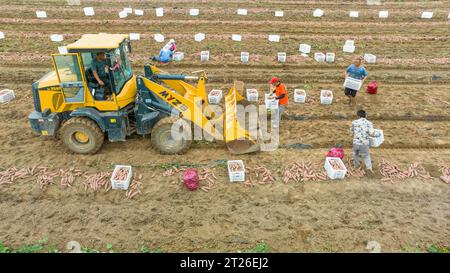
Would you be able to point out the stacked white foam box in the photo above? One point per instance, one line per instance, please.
(349, 46)
(281, 57)
(159, 37)
(41, 14)
(204, 56)
(245, 57)
(138, 12)
(199, 37)
(178, 56)
(194, 12)
(370, 58)
(319, 57)
(252, 95)
(215, 96)
(6, 95)
(236, 37)
(159, 12)
(383, 14)
(121, 184)
(427, 15)
(354, 14)
(299, 95)
(318, 13)
(62, 50)
(305, 48)
(377, 139)
(274, 38)
(89, 11)
(279, 13)
(352, 83)
(330, 57)
(324, 99)
(56, 38)
(236, 176)
(242, 12)
(331, 172)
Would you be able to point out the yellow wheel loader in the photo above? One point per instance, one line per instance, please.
(70, 103)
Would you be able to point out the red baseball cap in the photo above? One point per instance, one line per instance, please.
(274, 80)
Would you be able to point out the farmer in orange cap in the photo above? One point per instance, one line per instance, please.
(279, 91)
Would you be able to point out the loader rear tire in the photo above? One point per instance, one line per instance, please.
(163, 140)
(82, 135)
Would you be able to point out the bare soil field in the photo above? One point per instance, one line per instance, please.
(412, 107)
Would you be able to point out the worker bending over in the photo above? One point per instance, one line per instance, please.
(166, 53)
(362, 129)
(279, 92)
(356, 71)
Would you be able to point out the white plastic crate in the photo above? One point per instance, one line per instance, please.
(378, 139)
(370, 58)
(319, 57)
(215, 96)
(128, 10)
(56, 38)
(318, 13)
(2, 35)
(299, 95)
(427, 15)
(159, 38)
(383, 14)
(236, 37)
(242, 12)
(281, 57)
(199, 37)
(41, 14)
(135, 36)
(62, 50)
(352, 83)
(305, 48)
(252, 95)
(123, 14)
(121, 184)
(236, 176)
(194, 12)
(335, 173)
(178, 56)
(329, 57)
(89, 11)
(138, 12)
(274, 38)
(279, 13)
(245, 57)
(204, 56)
(6, 95)
(348, 48)
(354, 14)
(271, 104)
(159, 12)
(324, 99)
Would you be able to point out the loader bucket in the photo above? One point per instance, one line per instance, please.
(237, 138)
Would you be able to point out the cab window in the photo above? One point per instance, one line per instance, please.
(120, 67)
(70, 77)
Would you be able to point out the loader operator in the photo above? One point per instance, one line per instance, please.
(279, 91)
(356, 71)
(100, 70)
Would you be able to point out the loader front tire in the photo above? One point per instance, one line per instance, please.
(82, 135)
(171, 135)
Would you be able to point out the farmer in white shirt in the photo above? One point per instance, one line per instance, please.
(362, 129)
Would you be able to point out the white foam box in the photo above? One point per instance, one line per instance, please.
(199, 37)
(178, 56)
(330, 57)
(354, 14)
(373, 2)
(279, 13)
(326, 99)
(271, 104)
(252, 95)
(236, 176)
(383, 14)
(331, 172)
(215, 96)
(41, 14)
(304, 48)
(281, 57)
(128, 10)
(349, 42)
(138, 12)
(204, 56)
(319, 57)
(56, 38)
(348, 48)
(378, 139)
(62, 50)
(448, 17)
(242, 12)
(6, 95)
(274, 38)
(299, 95)
(318, 13)
(236, 37)
(89, 11)
(135, 36)
(245, 57)
(121, 184)
(352, 83)
(73, 2)
(194, 12)
(123, 14)
(2, 35)
(159, 12)
(427, 15)
(159, 38)
(370, 58)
